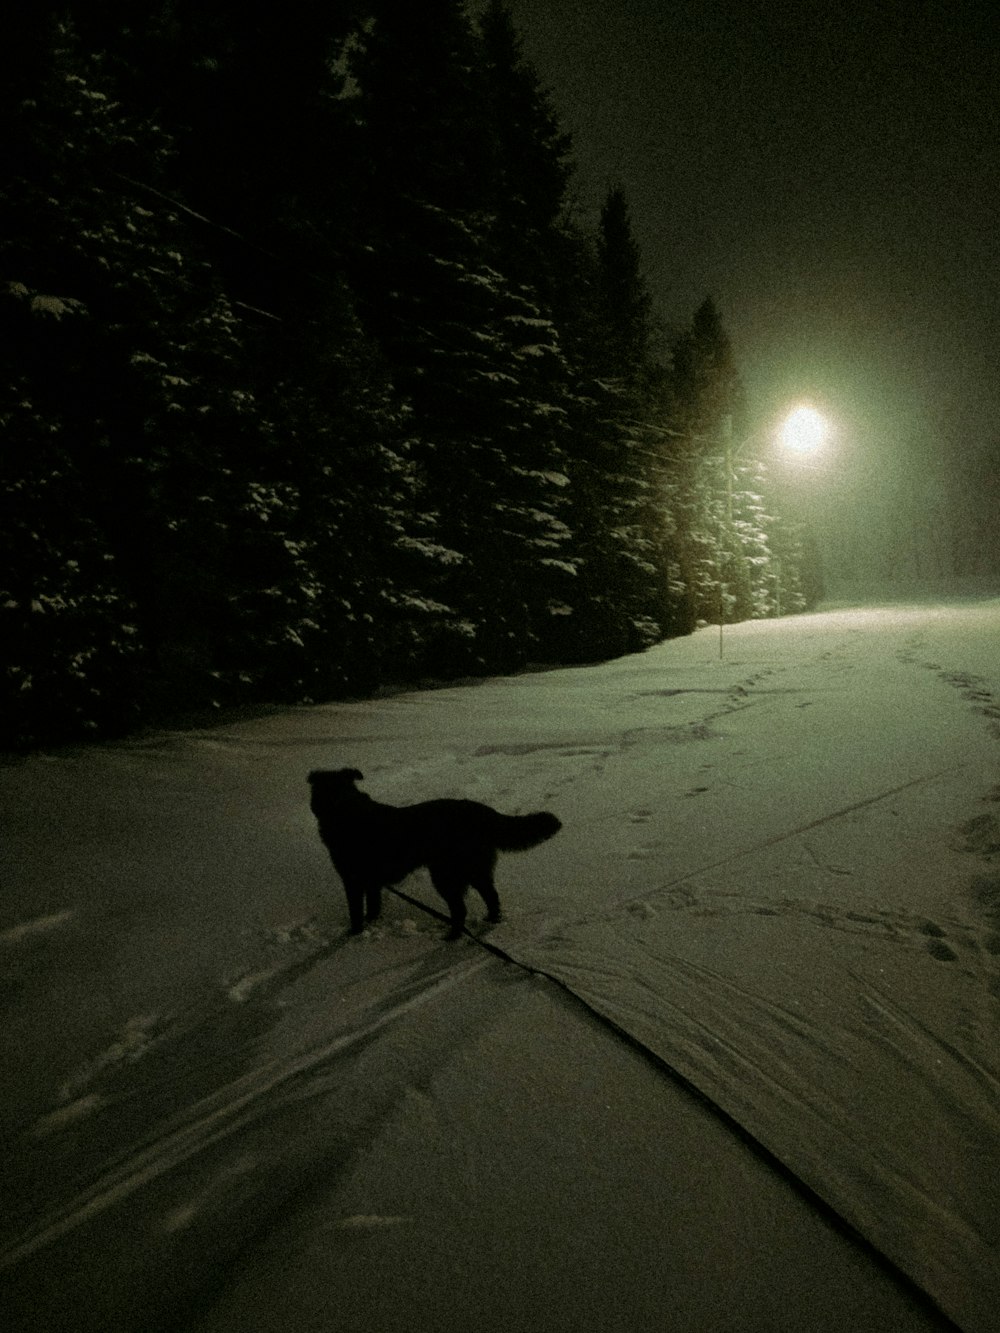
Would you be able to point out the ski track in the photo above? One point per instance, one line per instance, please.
(220, 1115)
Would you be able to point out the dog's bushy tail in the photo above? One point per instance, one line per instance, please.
(516, 833)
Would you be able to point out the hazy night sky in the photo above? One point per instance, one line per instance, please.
(827, 172)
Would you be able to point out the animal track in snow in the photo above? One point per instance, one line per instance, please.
(979, 835)
(976, 691)
(644, 852)
(937, 945)
(943, 945)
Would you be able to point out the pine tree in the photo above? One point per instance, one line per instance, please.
(530, 163)
(474, 354)
(624, 303)
(706, 413)
(706, 385)
(622, 513)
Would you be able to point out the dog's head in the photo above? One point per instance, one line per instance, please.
(333, 786)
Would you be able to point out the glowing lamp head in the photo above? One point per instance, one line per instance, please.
(804, 431)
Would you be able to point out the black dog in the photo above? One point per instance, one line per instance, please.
(373, 845)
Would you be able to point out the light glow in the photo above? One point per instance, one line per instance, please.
(804, 431)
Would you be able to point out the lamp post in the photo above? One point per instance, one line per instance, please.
(803, 431)
(724, 528)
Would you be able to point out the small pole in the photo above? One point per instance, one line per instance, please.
(725, 525)
(718, 579)
(721, 615)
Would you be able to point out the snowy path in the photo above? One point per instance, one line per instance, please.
(778, 874)
(816, 947)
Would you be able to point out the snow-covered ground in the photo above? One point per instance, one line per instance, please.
(777, 884)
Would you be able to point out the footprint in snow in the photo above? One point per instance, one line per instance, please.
(644, 852)
(937, 946)
(641, 909)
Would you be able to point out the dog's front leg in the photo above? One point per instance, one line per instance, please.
(452, 889)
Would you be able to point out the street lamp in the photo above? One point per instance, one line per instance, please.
(802, 433)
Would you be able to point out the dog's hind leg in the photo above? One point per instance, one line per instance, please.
(482, 882)
(356, 906)
(452, 889)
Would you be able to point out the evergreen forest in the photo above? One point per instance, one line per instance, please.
(314, 384)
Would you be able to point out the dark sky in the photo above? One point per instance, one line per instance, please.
(826, 171)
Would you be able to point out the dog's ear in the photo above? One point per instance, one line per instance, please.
(353, 775)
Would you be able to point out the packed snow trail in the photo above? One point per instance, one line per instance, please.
(777, 873)
(833, 984)
(832, 981)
